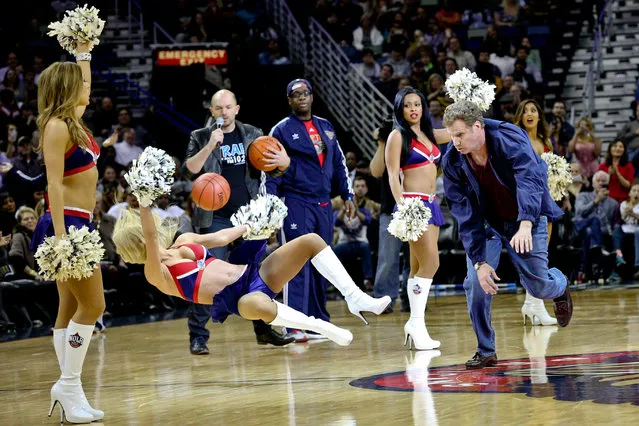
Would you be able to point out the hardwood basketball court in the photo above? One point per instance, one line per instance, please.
(145, 375)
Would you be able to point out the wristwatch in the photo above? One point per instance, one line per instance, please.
(477, 265)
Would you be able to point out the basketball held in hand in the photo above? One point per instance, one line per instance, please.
(258, 148)
(210, 191)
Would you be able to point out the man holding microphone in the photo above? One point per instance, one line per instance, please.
(222, 149)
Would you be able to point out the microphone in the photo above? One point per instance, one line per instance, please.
(219, 122)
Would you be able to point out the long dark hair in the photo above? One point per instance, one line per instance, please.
(542, 126)
(624, 157)
(400, 122)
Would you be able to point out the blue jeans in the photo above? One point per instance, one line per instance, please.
(354, 249)
(387, 276)
(200, 314)
(617, 241)
(533, 271)
(590, 231)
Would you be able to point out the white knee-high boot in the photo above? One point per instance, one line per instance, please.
(290, 318)
(415, 329)
(535, 309)
(67, 391)
(59, 339)
(327, 263)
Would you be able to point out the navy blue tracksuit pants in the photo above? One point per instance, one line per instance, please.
(307, 291)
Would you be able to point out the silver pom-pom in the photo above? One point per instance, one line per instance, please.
(75, 255)
(151, 175)
(81, 24)
(410, 220)
(464, 85)
(262, 216)
(559, 176)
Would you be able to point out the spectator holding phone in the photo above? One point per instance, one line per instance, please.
(586, 146)
(595, 215)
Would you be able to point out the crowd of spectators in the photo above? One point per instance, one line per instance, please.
(404, 43)
(23, 178)
(251, 35)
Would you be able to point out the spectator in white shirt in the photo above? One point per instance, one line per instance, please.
(629, 226)
(351, 166)
(166, 209)
(369, 66)
(464, 58)
(367, 36)
(127, 150)
(531, 68)
(131, 202)
(502, 60)
(401, 67)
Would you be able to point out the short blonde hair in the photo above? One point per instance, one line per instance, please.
(129, 237)
(25, 210)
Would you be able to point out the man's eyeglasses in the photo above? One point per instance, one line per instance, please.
(297, 95)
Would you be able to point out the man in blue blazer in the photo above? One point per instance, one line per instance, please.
(497, 189)
(317, 167)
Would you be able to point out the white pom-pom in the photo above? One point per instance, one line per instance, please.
(151, 175)
(410, 220)
(82, 24)
(75, 255)
(262, 216)
(559, 176)
(464, 85)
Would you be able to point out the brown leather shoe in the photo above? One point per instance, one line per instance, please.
(563, 307)
(480, 361)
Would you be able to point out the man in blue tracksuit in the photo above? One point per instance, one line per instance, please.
(497, 189)
(317, 167)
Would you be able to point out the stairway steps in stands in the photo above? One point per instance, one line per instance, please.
(613, 52)
(607, 90)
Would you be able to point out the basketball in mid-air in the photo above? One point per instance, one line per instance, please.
(211, 191)
(258, 148)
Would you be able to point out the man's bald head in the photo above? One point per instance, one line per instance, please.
(225, 95)
(224, 104)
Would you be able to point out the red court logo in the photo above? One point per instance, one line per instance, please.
(604, 378)
(76, 340)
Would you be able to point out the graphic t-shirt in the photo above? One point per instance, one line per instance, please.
(630, 224)
(318, 143)
(234, 171)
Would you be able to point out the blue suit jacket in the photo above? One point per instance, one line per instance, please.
(305, 179)
(518, 168)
